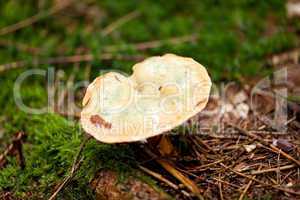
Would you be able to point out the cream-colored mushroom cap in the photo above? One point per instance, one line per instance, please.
(162, 93)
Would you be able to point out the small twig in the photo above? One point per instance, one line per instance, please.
(273, 169)
(33, 19)
(290, 120)
(121, 21)
(173, 41)
(272, 147)
(261, 182)
(76, 165)
(267, 132)
(15, 146)
(66, 180)
(247, 187)
(19, 148)
(66, 59)
(20, 46)
(177, 174)
(220, 188)
(206, 165)
(154, 44)
(279, 151)
(227, 183)
(159, 177)
(286, 176)
(278, 171)
(205, 145)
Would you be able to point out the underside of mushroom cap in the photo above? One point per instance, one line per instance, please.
(162, 93)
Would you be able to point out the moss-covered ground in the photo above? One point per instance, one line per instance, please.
(234, 39)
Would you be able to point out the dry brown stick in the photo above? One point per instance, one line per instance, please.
(113, 26)
(247, 187)
(75, 166)
(227, 183)
(278, 171)
(16, 145)
(260, 182)
(277, 150)
(220, 188)
(33, 19)
(273, 169)
(115, 48)
(205, 145)
(159, 177)
(183, 179)
(220, 135)
(286, 176)
(7, 151)
(247, 133)
(206, 165)
(66, 180)
(267, 132)
(272, 147)
(174, 41)
(154, 44)
(177, 174)
(19, 149)
(66, 59)
(20, 46)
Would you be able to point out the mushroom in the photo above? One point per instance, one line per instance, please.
(162, 93)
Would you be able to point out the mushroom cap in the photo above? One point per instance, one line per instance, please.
(162, 93)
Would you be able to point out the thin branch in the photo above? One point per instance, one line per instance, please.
(159, 177)
(35, 18)
(121, 21)
(20, 46)
(273, 169)
(247, 187)
(280, 151)
(16, 145)
(206, 165)
(227, 183)
(177, 174)
(154, 43)
(220, 188)
(76, 165)
(66, 59)
(261, 182)
(272, 147)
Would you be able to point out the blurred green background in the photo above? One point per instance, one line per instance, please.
(232, 38)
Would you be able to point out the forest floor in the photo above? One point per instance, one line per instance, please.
(244, 145)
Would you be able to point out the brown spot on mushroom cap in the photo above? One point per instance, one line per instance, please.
(98, 121)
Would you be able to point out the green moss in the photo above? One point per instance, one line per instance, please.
(50, 148)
